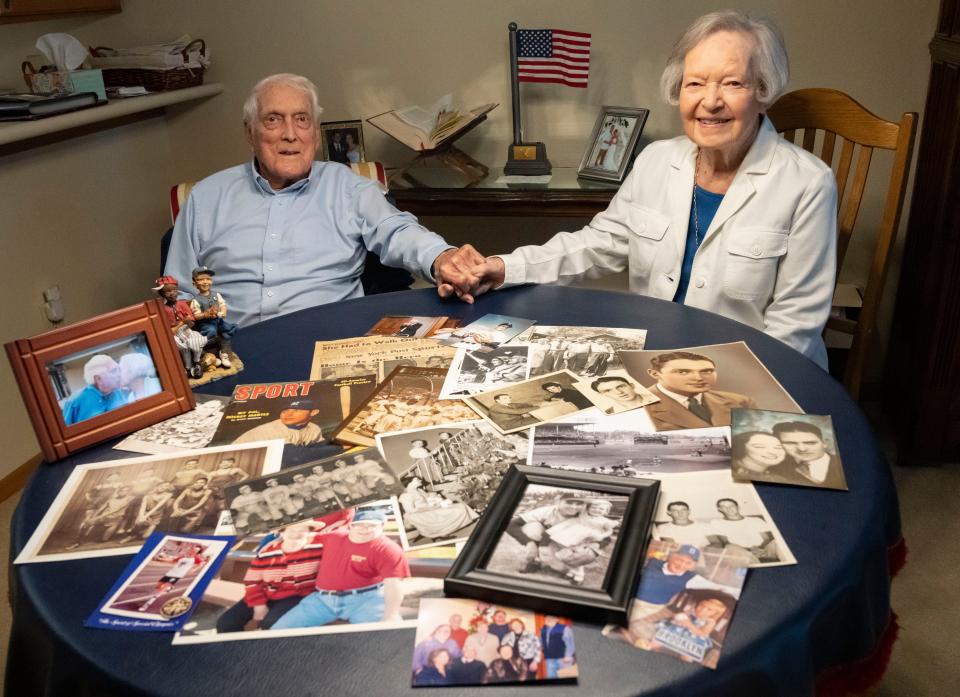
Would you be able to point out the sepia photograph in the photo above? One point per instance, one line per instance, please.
(408, 398)
(409, 326)
(313, 489)
(623, 445)
(708, 510)
(474, 371)
(699, 386)
(530, 402)
(449, 475)
(110, 508)
(684, 603)
(784, 448)
(470, 642)
(294, 584)
(378, 355)
(188, 431)
(587, 351)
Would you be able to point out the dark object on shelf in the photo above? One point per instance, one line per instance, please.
(527, 159)
(153, 79)
(26, 107)
(471, 577)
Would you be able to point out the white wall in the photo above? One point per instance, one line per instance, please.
(87, 212)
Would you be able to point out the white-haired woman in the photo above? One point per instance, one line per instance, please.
(138, 375)
(728, 217)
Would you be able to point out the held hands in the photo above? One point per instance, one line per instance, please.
(467, 273)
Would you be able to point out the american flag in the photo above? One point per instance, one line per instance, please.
(553, 55)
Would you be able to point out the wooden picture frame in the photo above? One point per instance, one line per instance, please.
(346, 131)
(50, 370)
(609, 603)
(613, 144)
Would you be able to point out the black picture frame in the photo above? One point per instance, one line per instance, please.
(595, 163)
(468, 577)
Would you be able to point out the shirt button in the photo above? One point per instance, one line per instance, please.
(269, 268)
(273, 235)
(700, 283)
(269, 293)
(756, 251)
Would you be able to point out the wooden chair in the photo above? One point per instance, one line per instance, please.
(845, 125)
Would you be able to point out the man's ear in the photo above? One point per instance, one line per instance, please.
(248, 134)
(655, 374)
(314, 412)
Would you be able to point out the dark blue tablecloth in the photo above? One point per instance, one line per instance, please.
(792, 622)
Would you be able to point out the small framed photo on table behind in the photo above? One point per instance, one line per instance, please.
(343, 141)
(613, 143)
(101, 378)
(559, 542)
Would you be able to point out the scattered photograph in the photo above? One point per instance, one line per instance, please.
(488, 332)
(408, 398)
(311, 490)
(616, 392)
(364, 355)
(449, 475)
(409, 326)
(684, 603)
(587, 351)
(708, 510)
(466, 642)
(560, 535)
(699, 386)
(300, 581)
(531, 402)
(162, 584)
(623, 445)
(103, 378)
(301, 413)
(110, 508)
(188, 431)
(785, 448)
(343, 141)
(475, 371)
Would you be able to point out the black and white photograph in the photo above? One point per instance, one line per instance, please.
(343, 141)
(784, 448)
(110, 508)
(530, 402)
(188, 431)
(313, 489)
(699, 386)
(616, 392)
(709, 510)
(450, 473)
(560, 535)
(486, 333)
(324, 560)
(623, 445)
(474, 371)
(587, 351)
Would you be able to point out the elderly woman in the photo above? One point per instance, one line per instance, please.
(138, 375)
(729, 217)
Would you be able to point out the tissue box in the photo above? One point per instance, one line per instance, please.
(59, 82)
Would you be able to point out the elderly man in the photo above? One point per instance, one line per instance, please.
(102, 393)
(285, 232)
(687, 399)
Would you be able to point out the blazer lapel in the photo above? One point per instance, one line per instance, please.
(669, 412)
(680, 195)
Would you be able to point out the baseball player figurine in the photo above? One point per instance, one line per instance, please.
(210, 311)
(181, 320)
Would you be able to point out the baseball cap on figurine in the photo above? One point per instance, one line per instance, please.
(369, 515)
(165, 281)
(690, 551)
(202, 271)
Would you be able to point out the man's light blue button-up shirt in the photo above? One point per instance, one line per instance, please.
(279, 251)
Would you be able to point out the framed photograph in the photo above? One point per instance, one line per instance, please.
(568, 543)
(100, 378)
(343, 141)
(612, 146)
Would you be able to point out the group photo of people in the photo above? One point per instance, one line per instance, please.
(103, 378)
(466, 642)
(586, 351)
(188, 431)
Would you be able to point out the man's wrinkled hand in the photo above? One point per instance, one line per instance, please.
(451, 271)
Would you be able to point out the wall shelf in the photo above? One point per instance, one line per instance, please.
(95, 118)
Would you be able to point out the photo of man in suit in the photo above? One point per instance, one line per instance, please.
(808, 462)
(685, 382)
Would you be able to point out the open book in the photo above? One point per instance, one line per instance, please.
(426, 129)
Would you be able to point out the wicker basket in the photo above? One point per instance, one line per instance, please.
(156, 80)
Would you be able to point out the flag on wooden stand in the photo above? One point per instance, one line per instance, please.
(553, 55)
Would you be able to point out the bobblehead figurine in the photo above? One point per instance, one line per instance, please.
(210, 311)
(180, 317)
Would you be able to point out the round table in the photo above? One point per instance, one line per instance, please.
(793, 623)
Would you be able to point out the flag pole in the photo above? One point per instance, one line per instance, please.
(515, 84)
(522, 158)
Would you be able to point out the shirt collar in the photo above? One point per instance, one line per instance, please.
(817, 469)
(265, 187)
(682, 398)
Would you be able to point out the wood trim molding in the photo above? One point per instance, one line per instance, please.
(16, 480)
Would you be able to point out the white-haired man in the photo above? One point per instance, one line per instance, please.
(103, 391)
(285, 232)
